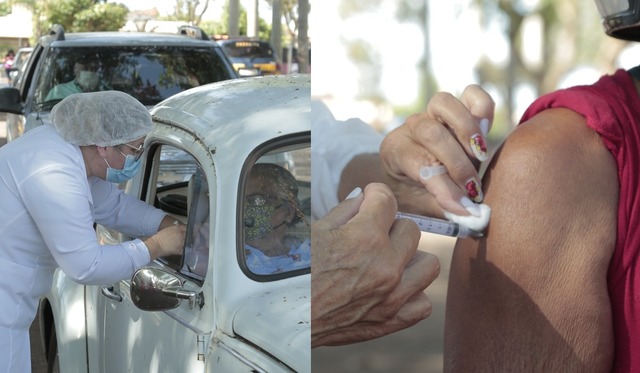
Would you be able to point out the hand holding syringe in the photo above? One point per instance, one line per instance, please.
(439, 226)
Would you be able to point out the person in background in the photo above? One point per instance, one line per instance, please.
(271, 209)
(56, 182)
(368, 278)
(7, 62)
(553, 284)
(86, 79)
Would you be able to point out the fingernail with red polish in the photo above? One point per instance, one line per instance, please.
(474, 191)
(479, 147)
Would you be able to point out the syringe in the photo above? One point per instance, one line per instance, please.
(439, 226)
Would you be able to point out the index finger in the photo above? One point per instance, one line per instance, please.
(469, 118)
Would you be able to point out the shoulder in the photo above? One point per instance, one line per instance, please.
(553, 162)
(553, 191)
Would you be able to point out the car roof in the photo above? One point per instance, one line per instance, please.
(222, 114)
(247, 39)
(83, 39)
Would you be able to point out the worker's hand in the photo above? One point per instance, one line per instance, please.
(439, 151)
(169, 241)
(367, 276)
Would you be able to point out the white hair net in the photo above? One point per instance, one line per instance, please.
(104, 118)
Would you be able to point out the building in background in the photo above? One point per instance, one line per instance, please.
(16, 28)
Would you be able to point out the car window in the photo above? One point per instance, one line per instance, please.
(276, 206)
(181, 190)
(150, 73)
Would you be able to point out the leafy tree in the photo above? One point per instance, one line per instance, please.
(187, 11)
(572, 35)
(101, 17)
(86, 15)
(222, 28)
(242, 22)
(290, 15)
(5, 8)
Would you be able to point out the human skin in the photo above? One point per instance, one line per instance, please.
(361, 248)
(439, 135)
(367, 276)
(532, 294)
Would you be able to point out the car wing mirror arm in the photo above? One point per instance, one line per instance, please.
(180, 293)
(155, 289)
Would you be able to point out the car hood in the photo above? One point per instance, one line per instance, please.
(279, 322)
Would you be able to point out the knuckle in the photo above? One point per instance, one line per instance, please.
(439, 100)
(433, 132)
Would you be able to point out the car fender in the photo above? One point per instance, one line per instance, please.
(68, 316)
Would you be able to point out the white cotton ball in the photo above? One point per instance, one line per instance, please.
(476, 223)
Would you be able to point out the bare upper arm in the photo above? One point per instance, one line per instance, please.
(532, 294)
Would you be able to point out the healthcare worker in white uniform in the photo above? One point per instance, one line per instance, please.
(56, 181)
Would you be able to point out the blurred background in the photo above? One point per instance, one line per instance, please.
(381, 60)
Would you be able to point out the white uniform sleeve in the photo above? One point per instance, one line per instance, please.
(120, 211)
(333, 144)
(59, 202)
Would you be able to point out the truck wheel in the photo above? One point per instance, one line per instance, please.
(53, 364)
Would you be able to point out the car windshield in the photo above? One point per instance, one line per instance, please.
(150, 74)
(248, 49)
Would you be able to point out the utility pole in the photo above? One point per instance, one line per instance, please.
(276, 29)
(252, 19)
(234, 18)
(304, 62)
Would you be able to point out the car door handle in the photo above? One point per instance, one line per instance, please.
(109, 292)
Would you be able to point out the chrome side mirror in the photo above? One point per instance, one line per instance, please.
(153, 289)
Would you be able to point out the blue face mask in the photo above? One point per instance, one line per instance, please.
(129, 170)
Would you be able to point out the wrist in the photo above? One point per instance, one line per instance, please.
(152, 247)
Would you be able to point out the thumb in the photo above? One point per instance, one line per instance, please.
(341, 214)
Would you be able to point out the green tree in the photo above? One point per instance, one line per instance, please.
(242, 22)
(188, 11)
(222, 28)
(5, 8)
(290, 19)
(571, 34)
(101, 17)
(86, 15)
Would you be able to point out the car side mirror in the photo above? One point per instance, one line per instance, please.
(10, 100)
(154, 289)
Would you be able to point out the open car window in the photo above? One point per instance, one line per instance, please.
(181, 190)
(276, 204)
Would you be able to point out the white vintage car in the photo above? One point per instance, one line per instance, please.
(209, 309)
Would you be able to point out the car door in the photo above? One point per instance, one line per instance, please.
(175, 340)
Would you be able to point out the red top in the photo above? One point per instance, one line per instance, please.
(611, 107)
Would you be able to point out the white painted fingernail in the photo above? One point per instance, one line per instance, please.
(484, 126)
(427, 172)
(471, 207)
(354, 193)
